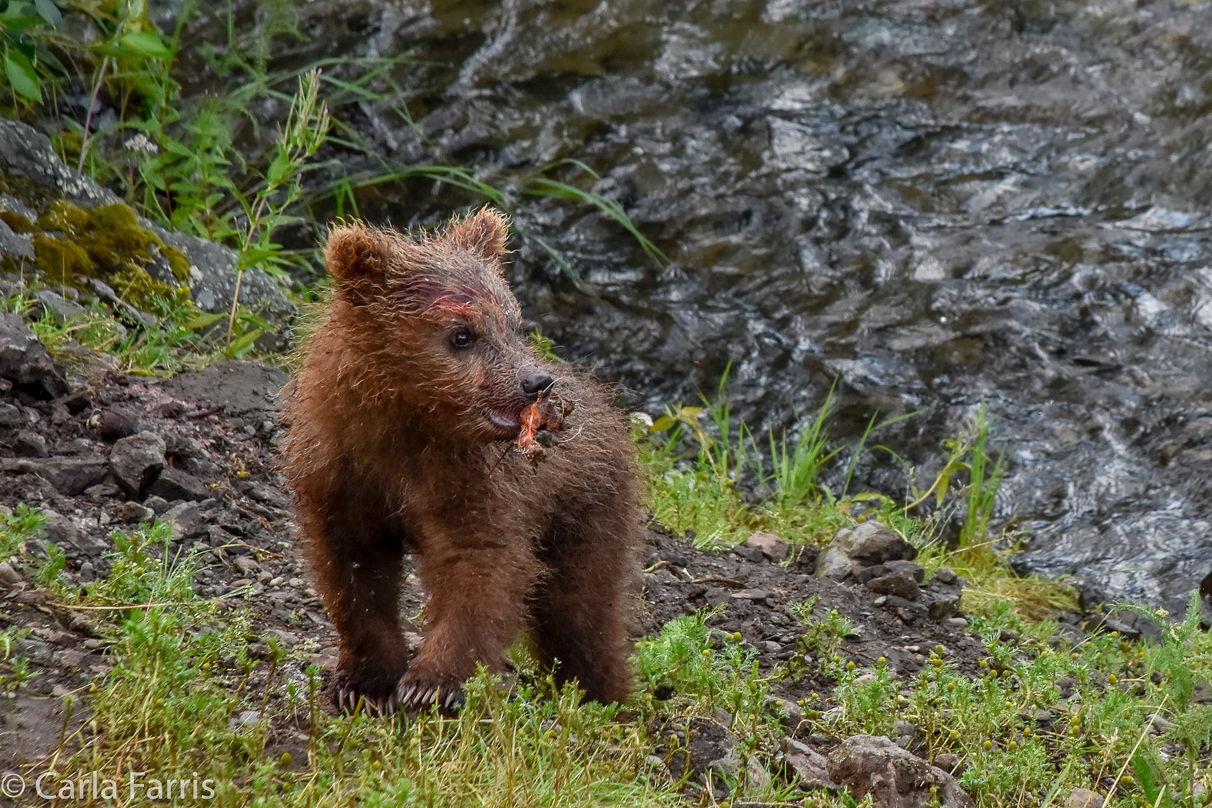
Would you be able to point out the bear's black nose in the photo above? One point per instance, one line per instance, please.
(537, 382)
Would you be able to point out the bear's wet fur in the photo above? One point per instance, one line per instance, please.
(401, 428)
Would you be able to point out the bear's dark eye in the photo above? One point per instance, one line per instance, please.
(462, 338)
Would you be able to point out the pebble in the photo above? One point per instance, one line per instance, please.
(134, 512)
(957, 623)
(945, 575)
(950, 763)
(769, 545)
(1083, 798)
(157, 504)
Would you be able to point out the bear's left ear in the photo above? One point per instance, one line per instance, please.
(485, 234)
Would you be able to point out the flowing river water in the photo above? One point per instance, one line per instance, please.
(933, 202)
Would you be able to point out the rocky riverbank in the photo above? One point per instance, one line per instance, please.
(100, 455)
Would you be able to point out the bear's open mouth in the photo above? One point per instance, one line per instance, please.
(506, 421)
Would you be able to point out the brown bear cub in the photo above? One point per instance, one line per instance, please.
(406, 436)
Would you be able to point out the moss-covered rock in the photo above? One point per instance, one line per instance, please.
(78, 233)
(17, 223)
(108, 243)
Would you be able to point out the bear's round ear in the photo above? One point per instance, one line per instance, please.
(355, 252)
(483, 233)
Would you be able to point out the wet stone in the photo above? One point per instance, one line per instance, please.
(944, 575)
(157, 504)
(186, 519)
(78, 401)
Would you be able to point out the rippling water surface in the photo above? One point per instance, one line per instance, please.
(936, 202)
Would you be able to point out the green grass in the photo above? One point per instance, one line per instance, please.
(182, 684)
(184, 700)
(694, 460)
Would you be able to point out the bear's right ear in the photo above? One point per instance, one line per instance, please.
(355, 252)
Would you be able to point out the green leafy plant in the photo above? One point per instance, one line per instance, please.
(27, 59)
(298, 140)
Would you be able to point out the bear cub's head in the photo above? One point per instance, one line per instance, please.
(434, 325)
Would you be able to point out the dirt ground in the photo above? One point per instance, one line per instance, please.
(219, 428)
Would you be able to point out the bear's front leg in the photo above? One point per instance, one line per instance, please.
(358, 564)
(475, 604)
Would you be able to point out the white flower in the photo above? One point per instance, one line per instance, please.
(140, 143)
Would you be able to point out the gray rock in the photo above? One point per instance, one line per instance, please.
(862, 546)
(895, 584)
(240, 388)
(895, 778)
(743, 769)
(907, 568)
(59, 529)
(942, 602)
(267, 495)
(945, 575)
(25, 362)
(59, 308)
(113, 423)
(30, 444)
(791, 712)
(749, 553)
(15, 205)
(134, 512)
(213, 283)
(159, 505)
(8, 575)
(185, 518)
(770, 546)
(136, 461)
(1084, 798)
(106, 292)
(950, 763)
(174, 484)
(15, 245)
(28, 153)
(69, 476)
(10, 416)
(809, 766)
